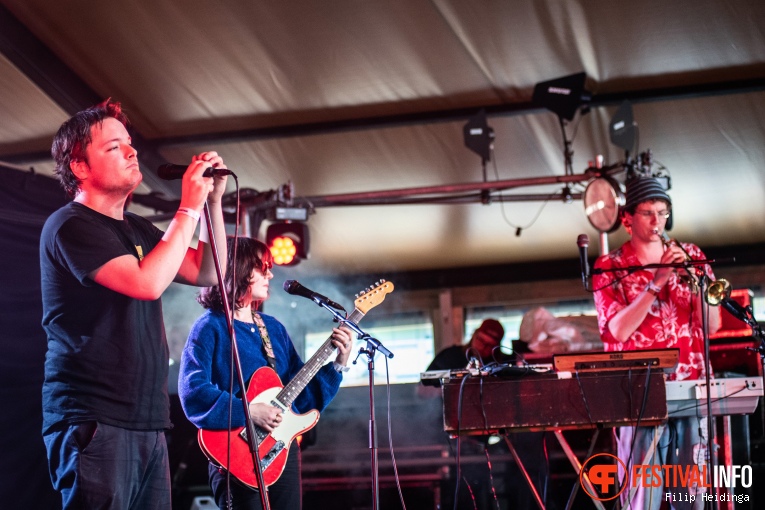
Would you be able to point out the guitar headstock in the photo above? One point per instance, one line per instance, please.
(373, 296)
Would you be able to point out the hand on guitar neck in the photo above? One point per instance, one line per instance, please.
(342, 338)
(269, 417)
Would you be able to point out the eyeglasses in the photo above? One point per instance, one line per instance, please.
(650, 214)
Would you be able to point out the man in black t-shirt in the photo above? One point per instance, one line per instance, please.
(103, 270)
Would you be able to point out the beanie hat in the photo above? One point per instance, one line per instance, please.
(640, 189)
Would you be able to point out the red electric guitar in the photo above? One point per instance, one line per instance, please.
(266, 387)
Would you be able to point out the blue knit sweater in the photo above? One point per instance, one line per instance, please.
(203, 382)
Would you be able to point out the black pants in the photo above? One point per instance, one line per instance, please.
(284, 494)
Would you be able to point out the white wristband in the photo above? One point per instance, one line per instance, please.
(652, 288)
(340, 368)
(189, 212)
(204, 235)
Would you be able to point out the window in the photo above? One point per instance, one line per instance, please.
(408, 337)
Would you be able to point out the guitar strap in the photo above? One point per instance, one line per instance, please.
(267, 347)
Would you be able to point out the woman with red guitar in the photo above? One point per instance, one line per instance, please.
(262, 341)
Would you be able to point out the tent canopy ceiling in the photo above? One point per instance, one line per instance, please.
(350, 97)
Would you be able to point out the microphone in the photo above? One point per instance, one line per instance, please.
(583, 242)
(170, 172)
(736, 310)
(293, 287)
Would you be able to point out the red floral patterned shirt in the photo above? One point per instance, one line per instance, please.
(670, 322)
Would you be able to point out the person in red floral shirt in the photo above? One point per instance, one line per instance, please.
(655, 309)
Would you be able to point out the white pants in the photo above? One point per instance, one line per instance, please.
(683, 443)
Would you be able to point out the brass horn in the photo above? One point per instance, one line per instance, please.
(716, 290)
(688, 278)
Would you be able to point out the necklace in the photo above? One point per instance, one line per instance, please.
(250, 315)
(254, 320)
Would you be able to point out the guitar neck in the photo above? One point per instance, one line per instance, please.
(291, 391)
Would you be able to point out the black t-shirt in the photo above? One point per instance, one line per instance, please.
(107, 356)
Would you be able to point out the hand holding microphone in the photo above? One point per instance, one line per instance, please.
(170, 172)
(197, 186)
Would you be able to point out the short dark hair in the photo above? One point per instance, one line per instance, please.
(250, 254)
(73, 138)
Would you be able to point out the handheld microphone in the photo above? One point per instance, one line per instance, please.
(170, 172)
(583, 242)
(293, 287)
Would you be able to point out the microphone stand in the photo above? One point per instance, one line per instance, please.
(757, 332)
(746, 315)
(375, 343)
(372, 345)
(252, 437)
(711, 420)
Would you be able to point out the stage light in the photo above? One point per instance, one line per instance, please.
(283, 250)
(288, 242)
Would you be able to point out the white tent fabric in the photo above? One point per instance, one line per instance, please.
(360, 95)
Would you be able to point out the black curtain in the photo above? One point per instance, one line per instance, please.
(26, 200)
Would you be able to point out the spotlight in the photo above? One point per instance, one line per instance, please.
(288, 242)
(562, 96)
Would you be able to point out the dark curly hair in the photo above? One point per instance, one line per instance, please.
(74, 136)
(251, 254)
